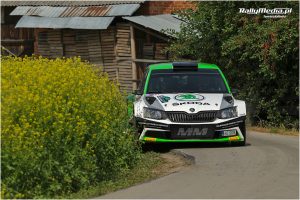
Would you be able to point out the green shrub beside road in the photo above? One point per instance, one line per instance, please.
(64, 128)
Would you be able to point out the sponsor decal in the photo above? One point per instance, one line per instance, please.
(189, 97)
(164, 99)
(191, 102)
(228, 132)
(192, 132)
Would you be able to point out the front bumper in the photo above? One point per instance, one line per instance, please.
(154, 131)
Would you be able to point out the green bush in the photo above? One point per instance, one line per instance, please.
(64, 128)
(260, 56)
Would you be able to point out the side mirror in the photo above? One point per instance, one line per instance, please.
(234, 92)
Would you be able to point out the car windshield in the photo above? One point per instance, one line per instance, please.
(183, 82)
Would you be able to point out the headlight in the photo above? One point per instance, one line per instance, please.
(154, 114)
(228, 113)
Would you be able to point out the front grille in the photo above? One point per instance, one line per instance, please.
(203, 116)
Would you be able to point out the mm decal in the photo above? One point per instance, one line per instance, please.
(192, 132)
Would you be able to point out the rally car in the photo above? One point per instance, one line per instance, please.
(188, 102)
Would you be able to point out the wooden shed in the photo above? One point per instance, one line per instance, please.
(108, 35)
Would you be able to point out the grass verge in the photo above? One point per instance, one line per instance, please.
(276, 130)
(151, 166)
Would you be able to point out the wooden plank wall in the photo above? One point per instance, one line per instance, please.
(108, 52)
(123, 56)
(109, 49)
(52, 47)
(94, 48)
(55, 43)
(159, 53)
(8, 31)
(44, 50)
(69, 43)
(81, 44)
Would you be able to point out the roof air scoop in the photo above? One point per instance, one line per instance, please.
(185, 66)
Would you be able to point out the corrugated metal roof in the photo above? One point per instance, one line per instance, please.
(87, 11)
(157, 22)
(66, 3)
(65, 22)
(84, 11)
(123, 10)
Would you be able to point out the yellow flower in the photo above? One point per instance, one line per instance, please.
(59, 104)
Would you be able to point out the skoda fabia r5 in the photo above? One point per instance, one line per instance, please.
(188, 102)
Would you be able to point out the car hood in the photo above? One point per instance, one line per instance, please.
(188, 102)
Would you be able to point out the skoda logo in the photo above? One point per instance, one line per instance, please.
(189, 97)
(192, 109)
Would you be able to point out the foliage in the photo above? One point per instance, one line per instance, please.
(150, 166)
(259, 55)
(63, 128)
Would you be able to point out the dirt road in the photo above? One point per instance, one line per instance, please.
(268, 167)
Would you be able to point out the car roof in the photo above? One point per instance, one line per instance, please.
(159, 66)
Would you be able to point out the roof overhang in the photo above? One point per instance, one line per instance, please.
(64, 22)
(160, 23)
(67, 3)
(73, 17)
(77, 11)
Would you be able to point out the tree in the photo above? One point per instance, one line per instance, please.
(259, 55)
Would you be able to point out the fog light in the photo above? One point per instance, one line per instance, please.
(149, 139)
(234, 138)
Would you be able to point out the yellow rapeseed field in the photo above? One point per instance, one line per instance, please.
(64, 127)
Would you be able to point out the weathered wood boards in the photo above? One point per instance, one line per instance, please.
(110, 49)
(123, 56)
(108, 52)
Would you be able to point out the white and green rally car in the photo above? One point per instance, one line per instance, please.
(188, 102)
